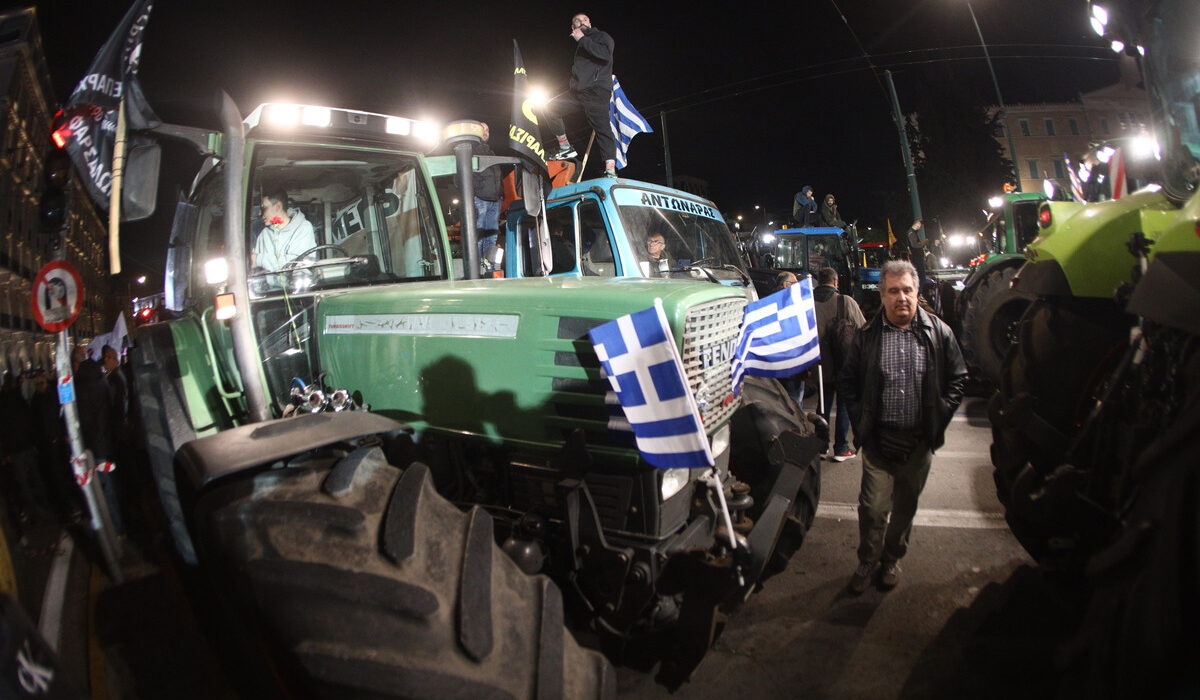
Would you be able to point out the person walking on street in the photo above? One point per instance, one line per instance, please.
(804, 207)
(902, 380)
(591, 89)
(837, 315)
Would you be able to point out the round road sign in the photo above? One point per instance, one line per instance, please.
(57, 296)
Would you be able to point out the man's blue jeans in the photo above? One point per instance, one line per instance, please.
(841, 430)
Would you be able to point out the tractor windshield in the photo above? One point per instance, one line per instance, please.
(674, 236)
(324, 217)
(1172, 69)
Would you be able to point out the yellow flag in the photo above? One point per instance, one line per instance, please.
(891, 236)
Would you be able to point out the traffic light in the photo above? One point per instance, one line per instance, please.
(56, 175)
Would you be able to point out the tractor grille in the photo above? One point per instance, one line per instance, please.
(710, 335)
(709, 338)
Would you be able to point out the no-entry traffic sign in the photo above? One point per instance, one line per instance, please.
(57, 296)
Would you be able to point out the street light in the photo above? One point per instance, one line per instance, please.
(1012, 146)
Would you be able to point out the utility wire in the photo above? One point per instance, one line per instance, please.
(870, 64)
(688, 101)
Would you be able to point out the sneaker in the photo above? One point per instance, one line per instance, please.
(610, 173)
(843, 455)
(565, 154)
(861, 578)
(890, 574)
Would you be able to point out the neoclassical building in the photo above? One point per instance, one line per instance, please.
(27, 106)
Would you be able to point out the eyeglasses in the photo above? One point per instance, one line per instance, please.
(656, 242)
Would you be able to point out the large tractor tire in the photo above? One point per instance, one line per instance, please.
(165, 423)
(1066, 349)
(758, 457)
(991, 313)
(1137, 638)
(357, 579)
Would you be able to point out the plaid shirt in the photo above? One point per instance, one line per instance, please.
(902, 360)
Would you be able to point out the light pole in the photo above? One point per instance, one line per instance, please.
(1012, 147)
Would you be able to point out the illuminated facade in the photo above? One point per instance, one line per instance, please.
(26, 108)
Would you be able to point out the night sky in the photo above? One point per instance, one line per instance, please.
(759, 98)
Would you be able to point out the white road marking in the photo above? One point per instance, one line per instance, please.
(966, 519)
(55, 596)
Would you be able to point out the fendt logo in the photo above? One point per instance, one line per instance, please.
(718, 353)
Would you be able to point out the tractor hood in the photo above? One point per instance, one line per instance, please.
(509, 359)
(1082, 252)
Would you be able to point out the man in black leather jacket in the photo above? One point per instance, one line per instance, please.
(902, 380)
(591, 90)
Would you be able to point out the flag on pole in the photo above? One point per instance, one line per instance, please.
(1116, 174)
(1077, 178)
(87, 127)
(626, 122)
(779, 335)
(524, 136)
(642, 363)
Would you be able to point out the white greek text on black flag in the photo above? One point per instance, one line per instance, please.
(88, 124)
(524, 136)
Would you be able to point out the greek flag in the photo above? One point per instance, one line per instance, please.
(779, 335)
(640, 359)
(626, 122)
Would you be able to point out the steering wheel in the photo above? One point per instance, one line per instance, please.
(327, 246)
(702, 262)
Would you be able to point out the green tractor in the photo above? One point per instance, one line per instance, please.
(988, 307)
(1096, 425)
(402, 477)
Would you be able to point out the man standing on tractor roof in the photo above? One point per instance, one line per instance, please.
(591, 90)
(902, 380)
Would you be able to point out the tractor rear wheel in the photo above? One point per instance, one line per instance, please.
(1066, 349)
(990, 320)
(358, 579)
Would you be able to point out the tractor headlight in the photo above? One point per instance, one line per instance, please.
(720, 440)
(673, 480)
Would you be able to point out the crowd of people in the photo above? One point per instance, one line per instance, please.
(36, 476)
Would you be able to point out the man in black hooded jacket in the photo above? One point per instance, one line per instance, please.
(591, 90)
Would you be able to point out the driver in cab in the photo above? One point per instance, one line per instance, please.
(286, 236)
(660, 262)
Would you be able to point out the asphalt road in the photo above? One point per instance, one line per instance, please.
(971, 617)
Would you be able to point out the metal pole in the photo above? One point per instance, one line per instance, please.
(1012, 146)
(904, 150)
(666, 151)
(114, 194)
(464, 152)
(83, 464)
(245, 351)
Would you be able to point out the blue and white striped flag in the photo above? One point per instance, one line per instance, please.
(779, 335)
(642, 363)
(626, 122)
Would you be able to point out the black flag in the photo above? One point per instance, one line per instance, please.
(524, 137)
(88, 125)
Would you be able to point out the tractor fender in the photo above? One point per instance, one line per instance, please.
(205, 460)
